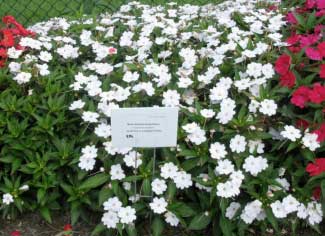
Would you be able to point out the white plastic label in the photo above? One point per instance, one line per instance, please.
(144, 127)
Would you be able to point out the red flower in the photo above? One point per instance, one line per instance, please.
(15, 233)
(322, 71)
(8, 39)
(293, 39)
(288, 80)
(320, 133)
(317, 94)
(3, 53)
(300, 96)
(282, 64)
(67, 227)
(316, 168)
(313, 54)
(321, 48)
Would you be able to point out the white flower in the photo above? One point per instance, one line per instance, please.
(88, 158)
(14, 53)
(112, 204)
(117, 172)
(290, 204)
(168, 170)
(255, 165)
(207, 113)
(291, 133)
(278, 209)
(68, 51)
(7, 198)
(171, 218)
(171, 98)
(130, 77)
(183, 180)
(232, 209)
(158, 186)
(89, 116)
(22, 77)
(78, 104)
(217, 150)
(103, 130)
(224, 167)
(256, 145)
(158, 205)
(238, 144)
(110, 219)
(132, 159)
(251, 211)
(310, 141)
(315, 213)
(268, 107)
(45, 56)
(127, 215)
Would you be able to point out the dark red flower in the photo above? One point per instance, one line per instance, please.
(313, 54)
(317, 193)
(2, 63)
(67, 227)
(317, 94)
(15, 233)
(302, 124)
(317, 167)
(288, 80)
(282, 64)
(300, 97)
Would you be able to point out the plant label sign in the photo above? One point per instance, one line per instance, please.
(144, 127)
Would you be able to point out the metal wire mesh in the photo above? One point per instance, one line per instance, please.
(32, 11)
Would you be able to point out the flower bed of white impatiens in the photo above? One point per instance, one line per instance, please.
(215, 62)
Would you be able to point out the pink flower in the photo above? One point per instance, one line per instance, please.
(320, 4)
(313, 54)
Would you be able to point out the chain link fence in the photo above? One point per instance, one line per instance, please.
(32, 11)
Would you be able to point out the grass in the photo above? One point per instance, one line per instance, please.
(31, 11)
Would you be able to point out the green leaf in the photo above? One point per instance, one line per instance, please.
(200, 221)
(181, 209)
(157, 226)
(307, 154)
(146, 187)
(99, 229)
(225, 226)
(45, 212)
(94, 181)
(270, 217)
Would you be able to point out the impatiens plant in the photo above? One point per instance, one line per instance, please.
(243, 139)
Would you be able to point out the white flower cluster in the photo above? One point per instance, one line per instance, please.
(173, 56)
